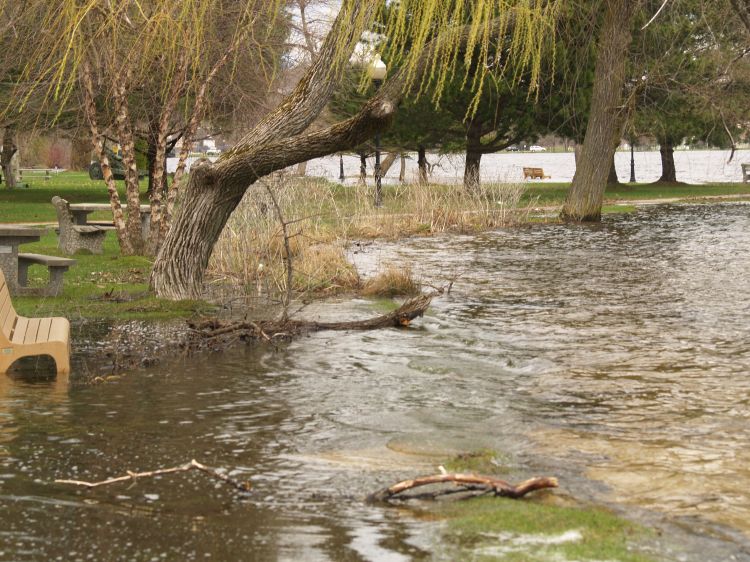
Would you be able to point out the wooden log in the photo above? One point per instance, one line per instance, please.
(470, 481)
(402, 316)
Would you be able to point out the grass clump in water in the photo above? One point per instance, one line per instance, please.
(392, 282)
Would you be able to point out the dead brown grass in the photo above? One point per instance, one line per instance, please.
(323, 218)
(393, 282)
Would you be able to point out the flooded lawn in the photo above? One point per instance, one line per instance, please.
(614, 357)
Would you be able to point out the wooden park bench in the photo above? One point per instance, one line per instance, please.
(746, 172)
(25, 337)
(74, 237)
(534, 173)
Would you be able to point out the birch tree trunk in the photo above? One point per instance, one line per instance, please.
(97, 141)
(584, 200)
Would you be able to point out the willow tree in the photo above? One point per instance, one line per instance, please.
(505, 37)
(606, 115)
(138, 64)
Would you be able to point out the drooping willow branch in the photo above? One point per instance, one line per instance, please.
(192, 465)
(470, 482)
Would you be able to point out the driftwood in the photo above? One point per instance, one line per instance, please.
(192, 465)
(286, 328)
(466, 483)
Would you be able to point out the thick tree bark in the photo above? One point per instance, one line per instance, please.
(6, 157)
(422, 164)
(584, 200)
(473, 156)
(668, 171)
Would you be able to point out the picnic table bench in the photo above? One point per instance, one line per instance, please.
(746, 172)
(24, 337)
(534, 173)
(45, 172)
(15, 265)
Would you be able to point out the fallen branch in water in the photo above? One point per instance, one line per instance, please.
(285, 328)
(192, 465)
(469, 483)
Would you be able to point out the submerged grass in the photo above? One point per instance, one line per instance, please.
(533, 528)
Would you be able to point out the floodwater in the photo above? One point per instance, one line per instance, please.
(613, 356)
(692, 166)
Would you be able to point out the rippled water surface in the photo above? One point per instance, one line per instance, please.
(614, 356)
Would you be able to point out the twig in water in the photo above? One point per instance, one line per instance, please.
(192, 465)
(471, 482)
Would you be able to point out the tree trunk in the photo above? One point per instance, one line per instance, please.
(6, 157)
(584, 200)
(668, 172)
(422, 163)
(97, 141)
(402, 169)
(362, 169)
(387, 162)
(473, 156)
(302, 169)
(612, 178)
(132, 185)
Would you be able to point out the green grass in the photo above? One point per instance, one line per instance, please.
(101, 286)
(554, 193)
(33, 204)
(533, 528)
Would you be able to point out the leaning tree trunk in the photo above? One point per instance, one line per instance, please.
(6, 157)
(668, 171)
(584, 200)
(422, 163)
(473, 156)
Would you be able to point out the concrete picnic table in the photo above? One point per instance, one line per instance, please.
(15, 266)
(81, 211)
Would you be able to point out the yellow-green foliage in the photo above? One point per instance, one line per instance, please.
(135, 35)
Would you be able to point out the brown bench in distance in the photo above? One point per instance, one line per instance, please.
(25, 337)
(56, 267)
(534, 173)
(74, 237)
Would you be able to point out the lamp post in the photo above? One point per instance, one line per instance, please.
(342, 177)
(632, 162)
(377, 72)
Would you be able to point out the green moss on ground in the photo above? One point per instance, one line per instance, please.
(533, 528)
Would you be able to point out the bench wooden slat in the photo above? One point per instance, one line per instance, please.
(6, 310)
(44, 325)
(10, 322)
(19, 334)
(59, 330)
(32, 330)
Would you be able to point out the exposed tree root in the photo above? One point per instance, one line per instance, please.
(208, 331)
(474, 483)
(192, 465)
